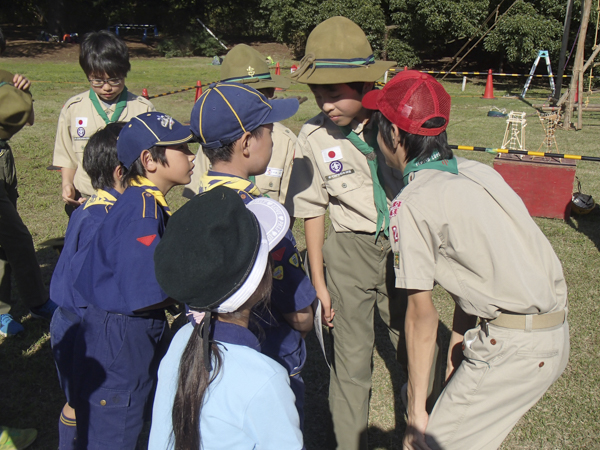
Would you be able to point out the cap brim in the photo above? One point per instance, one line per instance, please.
(371, 98)
(282, 109)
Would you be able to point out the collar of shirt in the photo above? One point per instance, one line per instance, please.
(152, 189)
(241, 185)
(433, 162)
(234, 334)
(106, 197)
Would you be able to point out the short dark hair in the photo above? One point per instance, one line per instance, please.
(103, 52)
(137, 169)
(2, 42)
(100, 156)
(416, 146)
(224, 154)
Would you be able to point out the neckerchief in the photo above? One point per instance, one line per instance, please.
(120, 106)
(102, 197)
(383, 214)
(151, 188)
(245, 188)
(434, 162)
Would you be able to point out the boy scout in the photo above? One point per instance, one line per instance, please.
(337, 165)
(118, 344)
(245, 65)
(105, 60)
(17, 253)
(233, 124)
(458, 223)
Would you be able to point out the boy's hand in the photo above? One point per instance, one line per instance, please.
(68, 195)
(414, 436)
(20, 82)
(327, 312)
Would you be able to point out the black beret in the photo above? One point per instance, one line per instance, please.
(208, 249)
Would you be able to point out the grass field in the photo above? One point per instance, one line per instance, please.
(568, 416)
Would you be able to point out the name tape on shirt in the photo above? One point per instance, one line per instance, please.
(394, 208)
(332, 154)
(274, 172)
(81, 121)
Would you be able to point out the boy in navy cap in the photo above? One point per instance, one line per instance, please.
(104, 169)
(233, 123)
(117, 344)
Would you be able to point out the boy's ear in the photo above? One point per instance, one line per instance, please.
(148, 161)
(117, 177)
(395, 136)
(244, 143)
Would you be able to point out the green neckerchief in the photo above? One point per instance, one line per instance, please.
(383, 214)
(152, 189)
(433, 162)
(121, 103)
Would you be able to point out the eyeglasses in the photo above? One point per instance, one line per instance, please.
(111, 81)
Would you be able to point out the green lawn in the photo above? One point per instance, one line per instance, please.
(566, 417)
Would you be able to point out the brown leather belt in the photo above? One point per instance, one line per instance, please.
(529, 321)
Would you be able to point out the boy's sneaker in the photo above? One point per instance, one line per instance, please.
(45, 311)
(15, 439)
(9, 327)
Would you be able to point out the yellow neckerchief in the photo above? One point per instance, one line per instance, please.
(151, 188)
(100, 197)
(212, 179)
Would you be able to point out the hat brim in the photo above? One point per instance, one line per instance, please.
(371, 98)
(370, 73)
(281, 109)
(276, 81)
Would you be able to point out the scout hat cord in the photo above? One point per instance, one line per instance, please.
(378, 191)
(118, 109)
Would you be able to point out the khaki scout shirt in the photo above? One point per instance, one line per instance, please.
(472, 234)
(274, 182)
(77, 122)
(329, 171)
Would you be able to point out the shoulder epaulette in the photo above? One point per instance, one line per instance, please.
(312, 125)
(150, 206)
(73, 100)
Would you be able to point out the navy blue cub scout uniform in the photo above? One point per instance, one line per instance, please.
(292, 291)
(83, 224)
(116, 347)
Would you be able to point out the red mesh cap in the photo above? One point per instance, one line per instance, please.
(409, 100)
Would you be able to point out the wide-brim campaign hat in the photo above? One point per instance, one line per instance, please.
(245, 65)
(147, 130)
(409, 100)
(215, 250)
(225, 111)
(337, 51)
(15, 110)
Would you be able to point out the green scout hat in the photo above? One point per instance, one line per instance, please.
(245, 65)
(15, 108)
(337, 51)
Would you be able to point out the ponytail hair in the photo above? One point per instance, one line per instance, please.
(194, 379)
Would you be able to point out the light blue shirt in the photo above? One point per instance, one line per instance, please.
(248, 406)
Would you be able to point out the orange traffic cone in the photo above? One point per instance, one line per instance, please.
(145, 93)
(405, 68)
(198, 90)
(277, 69)
(489, 87)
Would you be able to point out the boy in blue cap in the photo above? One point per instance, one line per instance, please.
(233, 123)
(117, 349)
(104, 169)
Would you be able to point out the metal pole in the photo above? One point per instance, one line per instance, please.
(563, 49)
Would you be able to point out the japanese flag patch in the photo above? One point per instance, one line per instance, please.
(81, 121)
(394, 208)
(332, 154)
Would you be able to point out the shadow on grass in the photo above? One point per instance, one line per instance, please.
(588, 224)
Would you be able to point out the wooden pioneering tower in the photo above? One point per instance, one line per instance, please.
(549, 121)
(514, 136)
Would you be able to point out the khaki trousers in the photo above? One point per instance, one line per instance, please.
(360, 277)
(505, 372)
(17, 253)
